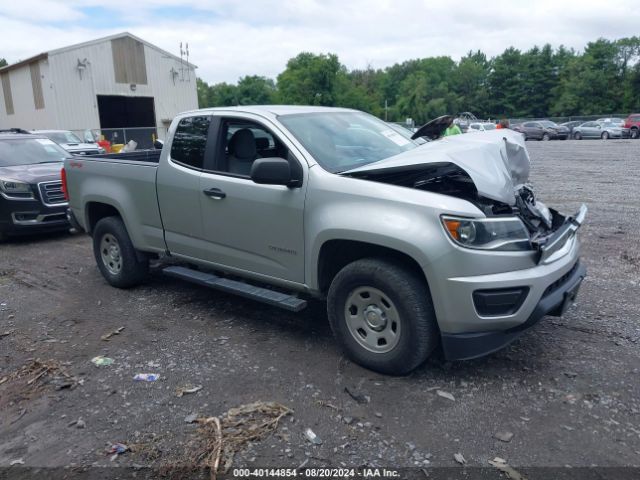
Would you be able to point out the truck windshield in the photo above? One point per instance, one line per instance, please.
(340, 141)
(29, 151)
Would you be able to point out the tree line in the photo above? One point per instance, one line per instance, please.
(540, 82)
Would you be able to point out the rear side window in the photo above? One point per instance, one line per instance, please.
(190, 141)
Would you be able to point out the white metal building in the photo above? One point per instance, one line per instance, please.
(119, 81)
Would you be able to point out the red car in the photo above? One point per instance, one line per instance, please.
(633, 124)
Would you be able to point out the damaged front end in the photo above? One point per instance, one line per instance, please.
(489, 170)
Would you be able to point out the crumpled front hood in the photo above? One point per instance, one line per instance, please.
(497, 161)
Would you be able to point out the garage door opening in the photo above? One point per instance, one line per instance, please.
(127, 118)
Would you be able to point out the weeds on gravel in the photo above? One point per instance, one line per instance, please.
(36, 373)
(219, 439)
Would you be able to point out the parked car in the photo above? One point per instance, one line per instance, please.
(603, 130)
(633, 124)
(481, 127)
(616, 121)
(571, 125)
(71, 142)
(542, 130)
(31, 198)
(411, 245)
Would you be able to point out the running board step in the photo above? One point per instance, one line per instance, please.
(264, 295)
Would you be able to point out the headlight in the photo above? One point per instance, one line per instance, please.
(13, 189)
(503, 234)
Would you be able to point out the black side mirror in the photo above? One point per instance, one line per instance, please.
(273, 171)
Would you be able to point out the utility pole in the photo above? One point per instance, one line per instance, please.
(386, 111)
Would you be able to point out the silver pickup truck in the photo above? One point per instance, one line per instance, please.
(412, 243)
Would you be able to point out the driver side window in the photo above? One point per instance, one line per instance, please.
(241, 142)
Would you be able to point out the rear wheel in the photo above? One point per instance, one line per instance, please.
(605, 136)
(3, 236)
(577, 136)
(115, 255)
(382, 316)
(546, 137)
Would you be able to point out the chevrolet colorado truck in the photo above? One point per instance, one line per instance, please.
(412, 244)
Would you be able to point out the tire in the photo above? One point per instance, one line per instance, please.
(3, 236)
(577, 136)
(605, 136)
(401, 312)
(546, 137)
(116, 258)
(635, 133)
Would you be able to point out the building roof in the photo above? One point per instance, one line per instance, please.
(44, 55)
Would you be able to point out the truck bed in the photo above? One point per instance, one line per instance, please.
(125, 182)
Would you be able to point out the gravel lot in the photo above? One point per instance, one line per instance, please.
(568, 391)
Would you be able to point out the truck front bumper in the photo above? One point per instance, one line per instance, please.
(484, 313)
(554, 301)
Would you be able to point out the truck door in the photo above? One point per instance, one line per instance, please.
(252, 227)
(178, 186)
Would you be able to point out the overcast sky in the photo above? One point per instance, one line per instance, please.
(229, 39)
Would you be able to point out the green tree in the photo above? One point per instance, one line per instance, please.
(255, 90)
(202, 89)
(469, 82)
(310, 79)
(3, 62)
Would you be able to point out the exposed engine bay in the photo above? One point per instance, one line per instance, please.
(490, 170)
(449, 179)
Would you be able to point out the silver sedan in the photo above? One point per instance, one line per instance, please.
(603, 130)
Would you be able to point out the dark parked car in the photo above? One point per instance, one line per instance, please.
(542, 130)
(633, 124)
(31, 197)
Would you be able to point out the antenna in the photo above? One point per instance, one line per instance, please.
(188, 67)
(181, 64)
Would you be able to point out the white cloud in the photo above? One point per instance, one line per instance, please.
(229, 39)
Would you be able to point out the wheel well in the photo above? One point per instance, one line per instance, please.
(97, 211)
(337, 254)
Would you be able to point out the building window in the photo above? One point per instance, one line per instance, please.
(6, 90)
(128, 61)
(36, 84)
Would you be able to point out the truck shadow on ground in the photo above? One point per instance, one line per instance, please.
(311, 328)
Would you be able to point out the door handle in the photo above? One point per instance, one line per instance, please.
(214, 193)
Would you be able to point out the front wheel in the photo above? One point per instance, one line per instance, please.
(577, 136)
(605, 136)
(115, 255)
(382, 316)
(546, 137)
(635, 133)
